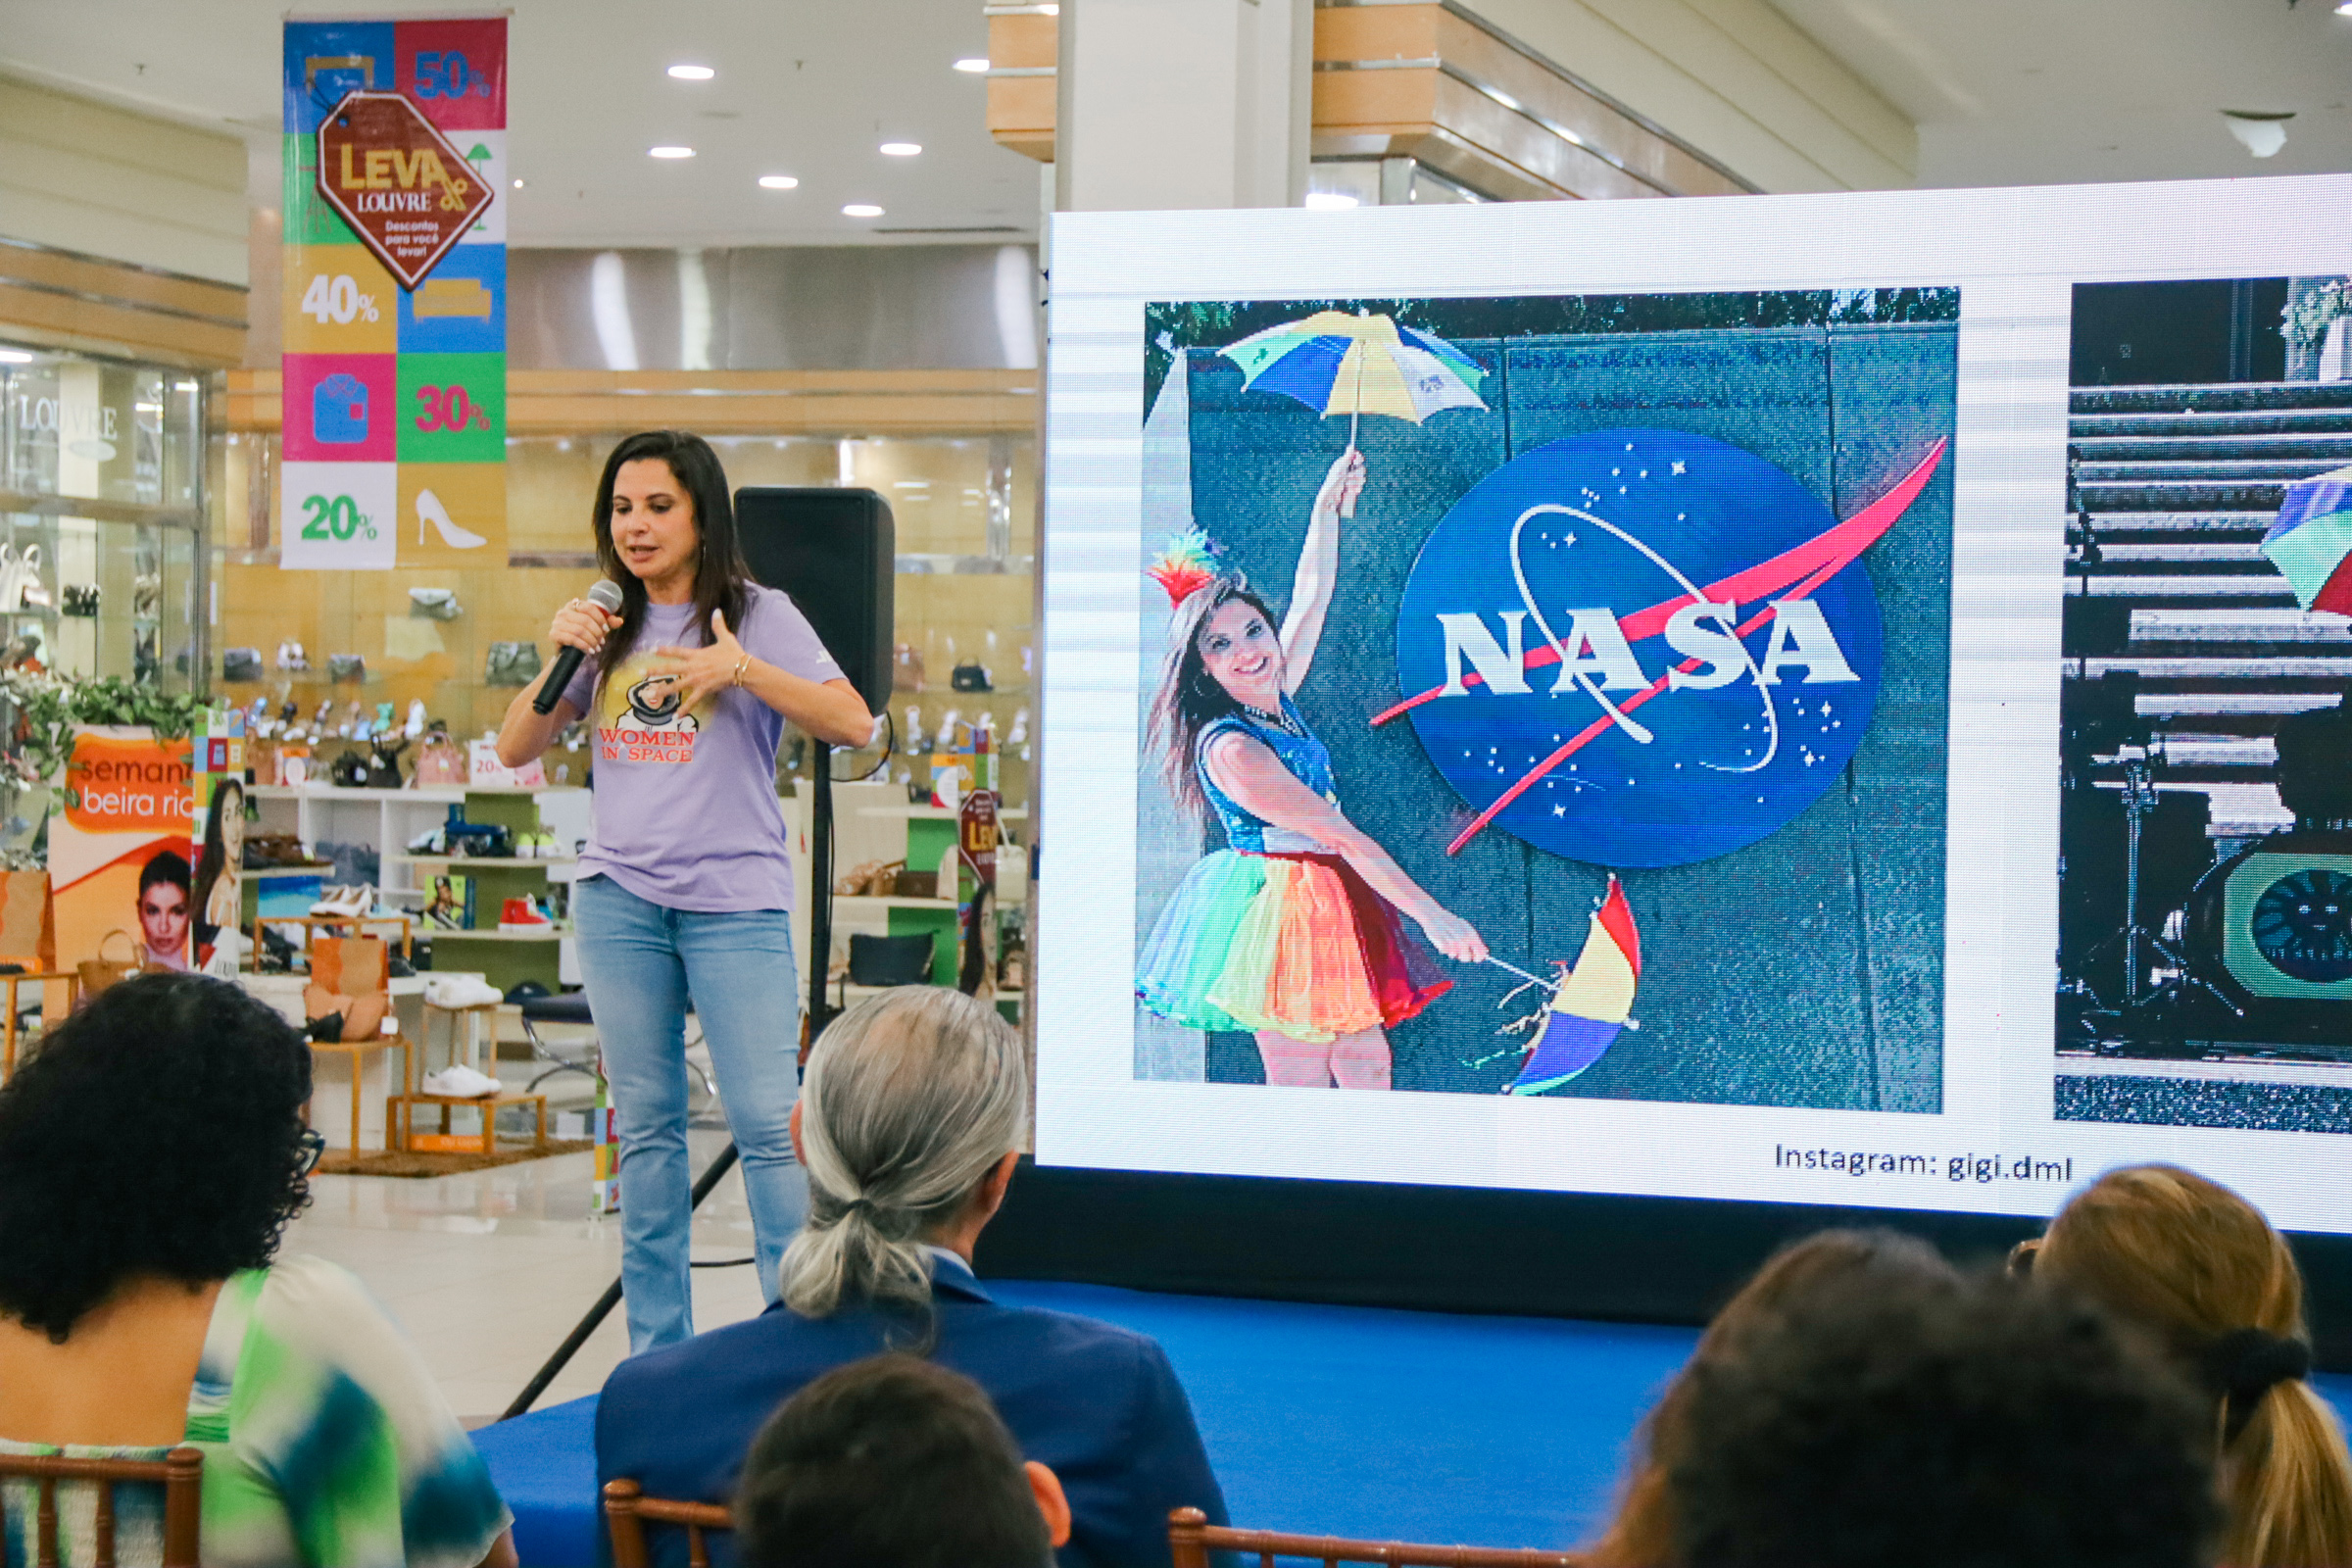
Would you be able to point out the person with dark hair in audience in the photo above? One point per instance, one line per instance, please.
(1641, 1535)
(910, 1122)
(2201, 1269)
(894, 1462)
(151, 1155)
(1940, 1424)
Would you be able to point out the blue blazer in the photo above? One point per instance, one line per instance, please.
(1097, 1405)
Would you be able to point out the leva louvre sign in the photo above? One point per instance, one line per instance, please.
(398, 182)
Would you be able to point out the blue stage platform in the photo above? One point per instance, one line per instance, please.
(1412, 1426)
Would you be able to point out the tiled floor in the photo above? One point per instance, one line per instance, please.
(488, 1272)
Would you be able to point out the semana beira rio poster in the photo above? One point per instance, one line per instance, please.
(1548, 695)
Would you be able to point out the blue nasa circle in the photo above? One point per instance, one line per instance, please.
(1621, 520)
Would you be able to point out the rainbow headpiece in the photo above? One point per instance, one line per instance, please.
(1184, 566)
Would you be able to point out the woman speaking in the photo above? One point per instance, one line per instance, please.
(685, 887)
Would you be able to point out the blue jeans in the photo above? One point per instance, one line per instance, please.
(642, 962)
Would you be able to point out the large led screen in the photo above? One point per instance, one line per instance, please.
(1804, 698)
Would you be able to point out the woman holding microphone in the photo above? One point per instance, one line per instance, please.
(685, 887)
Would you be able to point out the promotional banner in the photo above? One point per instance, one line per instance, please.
(395, 295)
(120, 852)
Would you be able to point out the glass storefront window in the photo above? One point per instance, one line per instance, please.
(101, 516)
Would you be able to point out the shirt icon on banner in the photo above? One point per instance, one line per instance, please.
(430, 509)
(339, 410)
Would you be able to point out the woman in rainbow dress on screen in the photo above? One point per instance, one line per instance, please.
(1290, 932)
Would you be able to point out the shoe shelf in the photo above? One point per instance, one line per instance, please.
(439, 934)
(484, 863)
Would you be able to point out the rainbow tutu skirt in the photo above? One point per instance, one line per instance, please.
(1298, 943)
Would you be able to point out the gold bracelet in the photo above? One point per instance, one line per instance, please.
(741, 664)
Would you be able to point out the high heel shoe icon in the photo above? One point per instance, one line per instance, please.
(430, 509)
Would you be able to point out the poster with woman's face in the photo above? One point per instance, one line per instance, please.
(120, 856)
(163, 911)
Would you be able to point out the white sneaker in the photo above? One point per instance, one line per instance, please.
(461, 1082)
(461, 990)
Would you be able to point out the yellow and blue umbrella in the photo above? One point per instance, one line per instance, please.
(2310, 542)
(1337, 364)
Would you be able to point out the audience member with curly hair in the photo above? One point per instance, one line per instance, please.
(151, 1155)
(2199, 1267)
(1936, 1423)
(1641, 1535)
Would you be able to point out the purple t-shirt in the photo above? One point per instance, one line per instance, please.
(686, 809)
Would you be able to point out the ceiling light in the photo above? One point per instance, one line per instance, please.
(670, 152)
(2345, 10)
(1048, 11)
(692, 72)
(519, 184)
(2261, 131)
(901, 149)
(778, 183)
(978, 64)
(15, 356)
(861, 210)
(1329, 201)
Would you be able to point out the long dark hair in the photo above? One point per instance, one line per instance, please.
(1190, 699)
(215, 858)
(721, 579)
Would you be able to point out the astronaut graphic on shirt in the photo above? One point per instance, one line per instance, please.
(641, 719)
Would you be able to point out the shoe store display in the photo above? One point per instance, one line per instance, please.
(461, 990)
(461, 1082)
(521, 917)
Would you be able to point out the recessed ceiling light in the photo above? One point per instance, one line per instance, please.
(670, 152)
(901, 149)
(519, 184)
(2345, 10)
(861, 210)
(692, 72)
(15, 356)
(979, 63)
(1329, 201)
(778, 183)
(1048, 11)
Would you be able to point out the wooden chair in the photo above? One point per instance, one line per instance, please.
(181, 1472)
(627, 1507)
(70, 979)
(1192, 1538)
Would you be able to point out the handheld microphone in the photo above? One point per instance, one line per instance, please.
(606, 596)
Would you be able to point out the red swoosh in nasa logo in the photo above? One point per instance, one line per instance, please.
(1808, 566)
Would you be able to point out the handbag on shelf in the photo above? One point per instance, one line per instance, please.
(240, 664)
(100, 972)
(890, 960)
(438, 761)
(512, 664)
(970, 678)
(346, 666)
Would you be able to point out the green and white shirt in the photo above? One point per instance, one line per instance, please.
(325, 1442)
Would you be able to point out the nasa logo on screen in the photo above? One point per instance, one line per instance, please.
(1640, 648)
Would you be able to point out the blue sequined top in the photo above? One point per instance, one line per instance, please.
(1307, 760)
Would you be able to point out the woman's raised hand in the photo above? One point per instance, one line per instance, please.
(582, 626)
(1342, 485)
(1455, 936)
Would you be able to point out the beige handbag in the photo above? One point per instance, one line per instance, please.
(102, 971)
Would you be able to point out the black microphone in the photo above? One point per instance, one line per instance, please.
(606, 596)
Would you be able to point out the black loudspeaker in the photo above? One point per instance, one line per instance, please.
(834, 551)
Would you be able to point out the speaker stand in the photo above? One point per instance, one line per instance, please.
(820, 888)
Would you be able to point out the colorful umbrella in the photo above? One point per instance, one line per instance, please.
(2310, 542)
(1337, 364)
(1582, 1020)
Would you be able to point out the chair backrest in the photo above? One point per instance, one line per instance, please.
(1192, 1538)
(627, 1509)
(180, 1473)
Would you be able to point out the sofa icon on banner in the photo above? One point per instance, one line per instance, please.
(339, 410)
